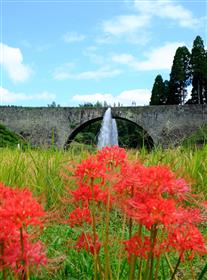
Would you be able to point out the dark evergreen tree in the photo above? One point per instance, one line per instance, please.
(180, 77)
(166, 90)
(158, 96)
(199, 72)
(205, 79)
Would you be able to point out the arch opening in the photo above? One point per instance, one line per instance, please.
(10, 138)
(131, 135)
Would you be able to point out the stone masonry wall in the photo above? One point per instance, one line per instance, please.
(165, 124)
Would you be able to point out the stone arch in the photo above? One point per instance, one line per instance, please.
(78, 129)
(149, 140)
(13, 135)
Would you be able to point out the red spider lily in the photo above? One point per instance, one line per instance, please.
(178, 188)
(187, 238)
(204, 204)
(86, 241)
(4, 192)
(20, 208)
(155, 180)
(138, 246)
(18, 261)
(90, 169)
(150, 211)
(79, 216)
(130, 179)
(160, 179)
(7, 229)
(112, 156)
(84, 193)
(187, 215)
(150, 196)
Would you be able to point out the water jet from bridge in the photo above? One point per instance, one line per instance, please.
(108, 135)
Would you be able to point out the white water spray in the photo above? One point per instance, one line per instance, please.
(108, 135)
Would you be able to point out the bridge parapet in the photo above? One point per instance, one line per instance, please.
(42, 125)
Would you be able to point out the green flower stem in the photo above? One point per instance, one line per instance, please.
(120, 247)
(157, 268)
(24, 272)
(141, 259)
(153, 242)
(176, 267)
(140, 269)
(95, 257)
(192, 271)
(106, 244)
(2, 261)
(132, 267)
(130, 220)
(170, 265)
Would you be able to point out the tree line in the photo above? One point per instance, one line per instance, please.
(188, 69)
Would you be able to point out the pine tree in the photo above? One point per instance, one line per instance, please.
(158, 92)
(199, 72)
(180, 77)
(205, 79)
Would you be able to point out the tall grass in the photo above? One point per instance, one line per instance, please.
(40, 170)
(188, 163)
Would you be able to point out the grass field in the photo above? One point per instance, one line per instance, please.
(42, 172)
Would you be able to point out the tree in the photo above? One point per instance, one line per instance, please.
(98, 104)
(158, 96)
(53, 105)
(205, 80)
(199, 72)
(180, 77)
(86, 105)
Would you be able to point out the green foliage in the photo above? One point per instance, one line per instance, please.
(98, 104)
(130, 135)
(89, 134)
(203, 273)
(179, 77)
(197, 139)
(187, 69)
(199, 72)
(53, 105)
(9, 138)
(158, 96)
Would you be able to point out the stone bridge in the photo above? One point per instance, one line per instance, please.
(42, 126)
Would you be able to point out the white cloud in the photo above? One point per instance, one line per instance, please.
(160, 58)
(168, 9)
(62, 72)
(7, 96)
(125, 24)
(123, 58)
(72, 37)
(139, 96)
(132, 28)
(91, 53)
(12, 61)
(135, 27)
(157, 59)
(65, 73)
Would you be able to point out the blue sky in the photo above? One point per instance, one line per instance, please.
(73, 52)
